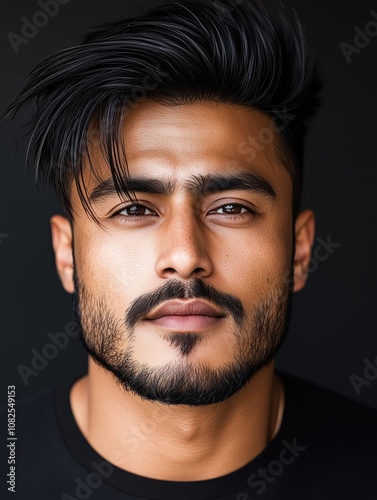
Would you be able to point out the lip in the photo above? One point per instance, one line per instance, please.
(186, 308)
(188, 323)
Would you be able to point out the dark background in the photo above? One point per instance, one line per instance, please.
(333, 328)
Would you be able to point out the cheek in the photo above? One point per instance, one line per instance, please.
(117, 267)
(255, 262)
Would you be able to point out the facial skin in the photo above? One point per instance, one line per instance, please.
(232, 248)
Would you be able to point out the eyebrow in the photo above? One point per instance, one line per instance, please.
(197, 185)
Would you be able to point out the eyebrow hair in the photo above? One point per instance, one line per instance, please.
(198, 185)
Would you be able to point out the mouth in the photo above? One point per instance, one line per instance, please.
(185, 315)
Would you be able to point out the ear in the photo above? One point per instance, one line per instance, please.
(304, 239)
(62, 244)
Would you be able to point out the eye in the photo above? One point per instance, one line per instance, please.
(232, 209)
(136, 210)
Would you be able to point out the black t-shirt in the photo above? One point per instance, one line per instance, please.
(326, 449)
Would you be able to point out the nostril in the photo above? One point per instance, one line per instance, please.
(196, 272)
(170, 270)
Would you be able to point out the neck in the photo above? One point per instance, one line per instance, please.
(176, 442)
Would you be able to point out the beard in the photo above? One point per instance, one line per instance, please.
(182, 382)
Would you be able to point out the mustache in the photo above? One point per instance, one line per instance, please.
(175, 289)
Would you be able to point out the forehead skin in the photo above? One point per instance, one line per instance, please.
(193, 139)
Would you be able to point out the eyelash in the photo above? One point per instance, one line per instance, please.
(235, 217)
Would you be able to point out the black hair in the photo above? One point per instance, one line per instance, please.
(181, 52)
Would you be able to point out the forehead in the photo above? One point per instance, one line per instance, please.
(177, 142)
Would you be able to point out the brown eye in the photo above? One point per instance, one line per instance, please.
(136, 210)
(231, 209)
(233, 212)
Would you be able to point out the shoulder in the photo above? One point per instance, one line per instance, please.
(326, 408)
(339, 434)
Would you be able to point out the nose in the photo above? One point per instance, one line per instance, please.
(184, 247)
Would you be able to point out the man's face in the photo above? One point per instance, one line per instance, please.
(216, 233)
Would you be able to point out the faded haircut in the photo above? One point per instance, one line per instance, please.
(178, 53)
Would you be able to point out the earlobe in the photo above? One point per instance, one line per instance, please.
(304, 239)
(62, 243)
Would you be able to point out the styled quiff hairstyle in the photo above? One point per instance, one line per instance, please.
(181, 52)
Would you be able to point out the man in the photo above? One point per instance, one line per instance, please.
(175, 143)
